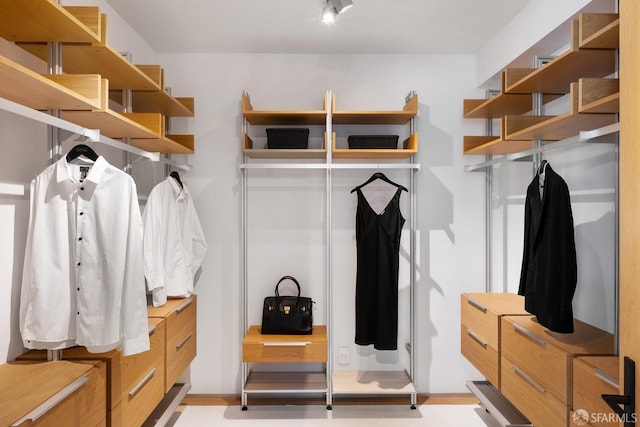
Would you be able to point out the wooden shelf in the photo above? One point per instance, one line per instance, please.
(599, 96)
(275, 117)
(410, 148)
(497, 106)
(169, 144)
(90, 67)
(501, 104)
(158, 102)
(372, 382)
(344, 117)
(286, 382)
(555, 128)
(63, 92)
(162, 102)
(264, 153)
(599, 31)
(116, 125)
(44, 20)
(319, 118)
(557, 75)
(99, 58)
(102, 59)
(494, 145)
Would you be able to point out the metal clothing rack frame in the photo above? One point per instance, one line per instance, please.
(55, 124)
(605, 134)
(500, 408)
(329, 167)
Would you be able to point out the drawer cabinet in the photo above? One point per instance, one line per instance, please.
(181, 340)
(258, 348)
(134, 384)
(285, 348)
(53, 393)
(537, 366)
(536, 402)
(593, 377)
(531, 352)
(480, 329)
(143, 378)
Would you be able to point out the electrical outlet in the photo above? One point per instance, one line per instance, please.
(343, 356)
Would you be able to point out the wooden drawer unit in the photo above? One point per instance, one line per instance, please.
(540, 406)
(143, 378)
(181, 340)
(592, 377)
(285, 348)
(480, 329)
(547, 356)
(531, 351)
(537, 366)
(60, 393)
(135, 384)
(483, 356)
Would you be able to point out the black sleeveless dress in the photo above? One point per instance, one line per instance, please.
(378, 248)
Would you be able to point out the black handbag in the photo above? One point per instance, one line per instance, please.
(287, 315)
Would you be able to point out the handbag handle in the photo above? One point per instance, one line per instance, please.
(288, 278)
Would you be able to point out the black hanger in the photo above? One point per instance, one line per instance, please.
(379, 175)
(543, 166)
(175, 175)
(82, 150)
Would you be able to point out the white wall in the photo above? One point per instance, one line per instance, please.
(287, 218)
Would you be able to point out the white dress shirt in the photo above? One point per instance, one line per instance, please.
(174, 244)
(83, 280)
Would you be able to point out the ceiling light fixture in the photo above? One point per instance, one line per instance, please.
(342, 5)
(333, 8)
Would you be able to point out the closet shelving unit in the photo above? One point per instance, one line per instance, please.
(584, 72)
(580, 72)
(92, 70)
(329, 382)
(79, 101)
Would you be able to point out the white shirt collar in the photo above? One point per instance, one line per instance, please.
(95, 173)
(178, 191)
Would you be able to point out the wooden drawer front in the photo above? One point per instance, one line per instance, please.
(144, 396)
(589, 383)
(181, 341)
(544, 363)
(285, 348)
(86, 406)
(483, 356)
(535, 402)
(299, 351)
(137, 366)
(480, 319)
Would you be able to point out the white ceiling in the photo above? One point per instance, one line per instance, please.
(293, 26)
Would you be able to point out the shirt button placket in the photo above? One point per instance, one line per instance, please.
(80, 218)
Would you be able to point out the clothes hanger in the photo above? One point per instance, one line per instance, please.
(543, 167)
(175, 175)
(380, 175)
(82, 150)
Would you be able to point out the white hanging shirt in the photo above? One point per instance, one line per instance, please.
(174, 244)
(83, 280)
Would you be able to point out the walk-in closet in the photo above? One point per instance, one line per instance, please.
(319, 212)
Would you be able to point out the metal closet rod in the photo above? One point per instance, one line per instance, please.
(92, 134)
(415, 166)
(591, 136)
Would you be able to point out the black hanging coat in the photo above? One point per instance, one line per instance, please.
(549, 271)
